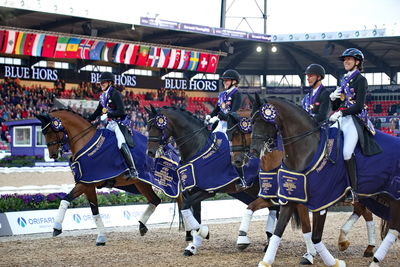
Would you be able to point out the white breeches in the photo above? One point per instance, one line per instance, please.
(350, 135)
(113, 126)
(221, 127)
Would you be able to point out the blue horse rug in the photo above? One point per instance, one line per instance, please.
(323, 182)
(211, 168)
(269, 186)
(100, 159)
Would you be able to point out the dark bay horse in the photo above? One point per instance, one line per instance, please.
(239, 133)
(62, 127)
(271, 159)
(200, 151)
(301, 141)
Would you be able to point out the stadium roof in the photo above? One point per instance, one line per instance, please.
(292, 56)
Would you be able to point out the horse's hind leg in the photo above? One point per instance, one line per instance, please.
(243, 240)
(308, 257)
(153, 201)
(62, 209)
(369, 251)
(270, 224)
(318, 228)
(90, 192)
(391, 236)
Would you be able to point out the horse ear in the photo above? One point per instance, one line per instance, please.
(147, 110)
(252, 100)
(258, 100)
(44, 118)
(153, 109)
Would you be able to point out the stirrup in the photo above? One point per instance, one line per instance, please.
(354, 196)
(132, 173)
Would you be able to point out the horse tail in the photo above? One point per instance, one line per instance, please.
(295, 221)
(384, 228)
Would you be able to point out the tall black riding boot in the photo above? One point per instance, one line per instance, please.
(132, 172)
(352, 172)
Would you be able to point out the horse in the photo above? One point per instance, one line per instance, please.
(61, 127)
(271, 160)
(239, 133)
(193, 138)
(312, 153)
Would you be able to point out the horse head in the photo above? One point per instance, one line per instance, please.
(239, 134)
(54, 134)
(187, 131)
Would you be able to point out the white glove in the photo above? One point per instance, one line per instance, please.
(103, 117)
(214, 119)
(335, 116)
(335, 94)
(207, 119)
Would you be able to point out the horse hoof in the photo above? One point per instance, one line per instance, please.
(142, 228)
(307, 259)
(263, 264)
(340, 263)
(187, 253)
(57, 232)
(101, 240)
(100, 244)
(374, 264)
(344, 245)
(242, 242)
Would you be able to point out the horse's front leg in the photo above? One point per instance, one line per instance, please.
(199, 232)
(62, 209)
(243, 240)
(90, 192)
(284, 217)
(318, 228)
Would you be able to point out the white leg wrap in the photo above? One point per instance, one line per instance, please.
(190, 222)
(371, 233)
(270, 254)
(386, 244)
(326, 256)
(350, 222)
(309, 244)
(244, 225)
(62, 209)
(271, 219)
(197, 239)
(99, 224)
(147, 213)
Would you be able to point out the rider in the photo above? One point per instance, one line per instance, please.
(348, 102)
(111, 109)
(316, 102)
(229, 101)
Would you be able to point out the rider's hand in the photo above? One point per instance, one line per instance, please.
(335, 116)
(335, 94)
(103, 117)
(207, 119)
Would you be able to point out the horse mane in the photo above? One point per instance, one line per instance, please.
(298, 107)
(186, 113)
(67, 109)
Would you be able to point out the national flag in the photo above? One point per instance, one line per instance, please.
(49, 45)
(95, 50)
(61, 47)
(130, 54)
(38, 45)
(72, 48)
(212, 64)
(185, 58)
(174, 58)
(108, 52)
(29, 41)
(203, 62)
(2, 36)
(194, 61)
(154, 57)
(9, 42)
(143, 55)
(84, 49)
(165, 54)
(19, 44)
(119, 53)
